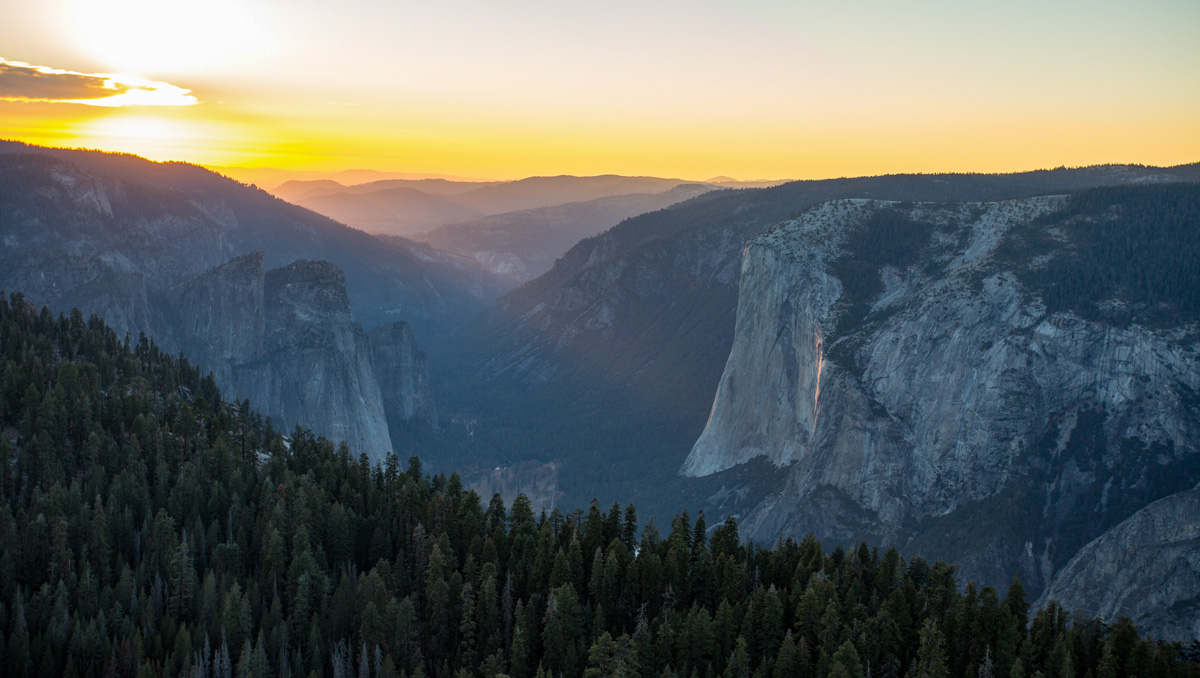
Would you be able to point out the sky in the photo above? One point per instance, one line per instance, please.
(753, 89)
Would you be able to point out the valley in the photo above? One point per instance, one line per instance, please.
(567, 340)
(884, 359)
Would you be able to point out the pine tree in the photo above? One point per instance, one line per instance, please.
(608, 658)
(738, 665)
(846, 662)
(931, 656)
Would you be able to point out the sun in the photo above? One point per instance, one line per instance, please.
(169, 36)
(154, 136)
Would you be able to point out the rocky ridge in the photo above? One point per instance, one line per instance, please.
(170, 222)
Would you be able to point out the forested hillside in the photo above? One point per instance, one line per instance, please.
(1120, 254)
(149, 528)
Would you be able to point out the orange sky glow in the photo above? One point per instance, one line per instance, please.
(754, 89)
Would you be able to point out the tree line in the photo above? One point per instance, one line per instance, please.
(150, 528)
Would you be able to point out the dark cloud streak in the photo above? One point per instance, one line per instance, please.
(22, 82)
(18, 81)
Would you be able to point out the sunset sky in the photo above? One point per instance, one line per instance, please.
(751, 89)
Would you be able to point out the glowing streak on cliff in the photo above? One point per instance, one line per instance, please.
(817, 391)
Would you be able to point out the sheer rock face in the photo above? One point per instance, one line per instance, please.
(1146, 568)
(285, 339)
(218, 318)
(952, 399)
(402, 374)
(315, 363)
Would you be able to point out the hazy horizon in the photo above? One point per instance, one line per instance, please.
(758, 90)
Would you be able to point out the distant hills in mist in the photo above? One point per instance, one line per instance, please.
(514, 230)
(411, 205)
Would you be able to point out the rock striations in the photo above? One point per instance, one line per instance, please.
(901, 366)
(315, 367)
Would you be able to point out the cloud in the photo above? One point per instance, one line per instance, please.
(24, 82)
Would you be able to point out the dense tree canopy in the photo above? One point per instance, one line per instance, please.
(149, 528)
(1118, 253)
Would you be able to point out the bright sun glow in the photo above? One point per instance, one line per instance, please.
(147, 135)
(755, 89)
(169, 36)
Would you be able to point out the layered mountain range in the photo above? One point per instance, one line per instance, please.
(519, 246)
(407, 207)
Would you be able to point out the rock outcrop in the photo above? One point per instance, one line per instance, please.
(315, 363)
(402, 374)
(900, 365)
(287, 340)
(1146, 568)
(218, 319)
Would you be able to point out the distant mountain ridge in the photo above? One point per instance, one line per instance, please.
(296, 190)
(170, 221)
(519, 246)
(397, 210)
(266, 177)
(394, 207)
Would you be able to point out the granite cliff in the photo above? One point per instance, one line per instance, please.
(316, 366)
(287, 340)
(937, 376)
(633, 327)
(402, 373)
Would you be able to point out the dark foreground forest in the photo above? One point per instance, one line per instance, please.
(151, 529)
